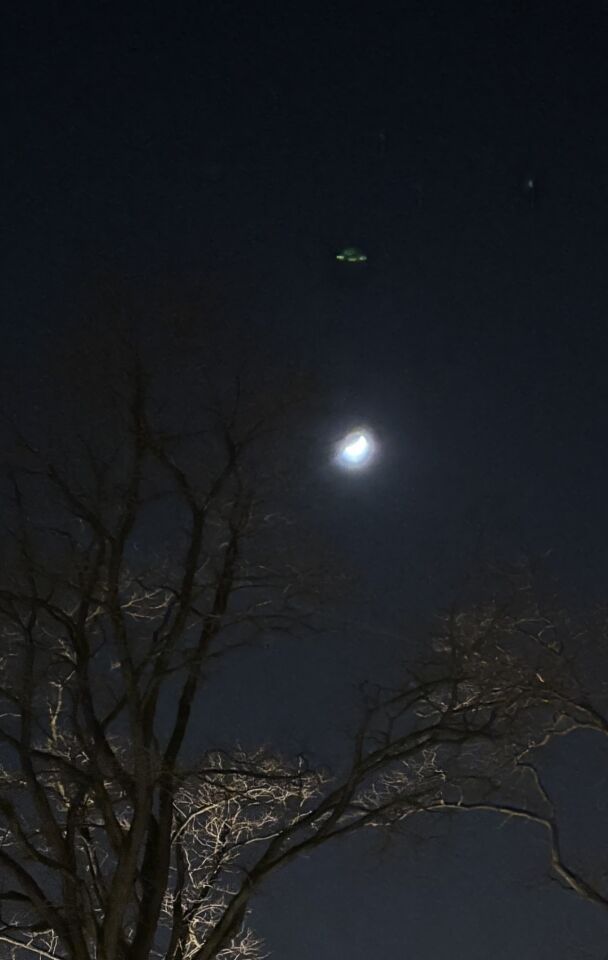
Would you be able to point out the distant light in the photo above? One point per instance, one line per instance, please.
(356, 450)
(351, 255)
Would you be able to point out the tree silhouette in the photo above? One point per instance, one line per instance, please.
(127, 573)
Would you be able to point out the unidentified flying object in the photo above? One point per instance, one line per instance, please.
(351, 255)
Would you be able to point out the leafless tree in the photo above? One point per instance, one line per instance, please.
(114, 844)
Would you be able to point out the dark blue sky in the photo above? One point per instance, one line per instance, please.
(228, 151)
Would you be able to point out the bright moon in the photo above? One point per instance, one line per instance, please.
(356, 449)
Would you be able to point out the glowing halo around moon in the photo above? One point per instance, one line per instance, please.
(356, 450)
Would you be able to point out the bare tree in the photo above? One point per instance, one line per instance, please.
(527, 637)
(125, 577)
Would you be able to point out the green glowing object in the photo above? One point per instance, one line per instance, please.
(351, 255)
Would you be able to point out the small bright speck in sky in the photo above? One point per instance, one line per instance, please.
(356, 449)
(351, 255)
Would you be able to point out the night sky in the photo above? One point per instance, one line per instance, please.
(229, 152)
